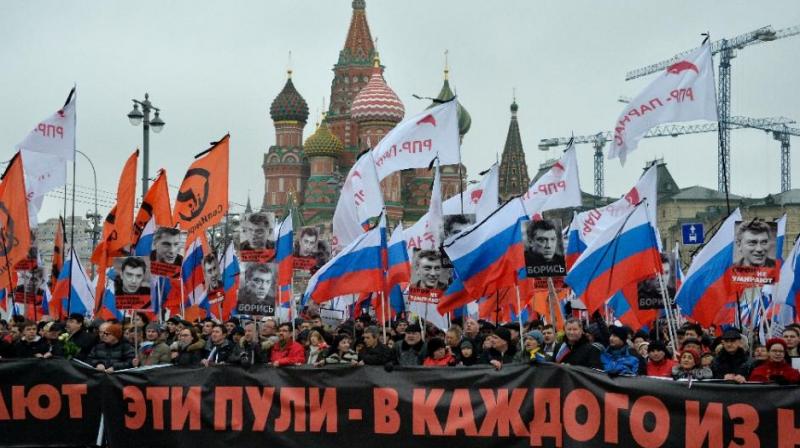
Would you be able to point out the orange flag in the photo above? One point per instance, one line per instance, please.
(203, 197)
(15, 232)
(118, 226)
(155, 205)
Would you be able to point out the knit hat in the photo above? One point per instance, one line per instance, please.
(466, 343)
(435, 344)
(773, 341)
(695, 354)
(620, 332)
(536, 334)
(115, 330)
(503, 334)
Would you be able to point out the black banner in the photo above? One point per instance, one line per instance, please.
(48, 402)
(519, 405)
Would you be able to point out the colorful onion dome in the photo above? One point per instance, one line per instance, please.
(323, 143)
(446, 94)
(377, 101)
(289, 104)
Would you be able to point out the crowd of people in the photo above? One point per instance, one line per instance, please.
(696, 354)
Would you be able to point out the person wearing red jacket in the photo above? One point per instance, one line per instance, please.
(287, 351)
(658, 362)
(438, 354)
(775, 369)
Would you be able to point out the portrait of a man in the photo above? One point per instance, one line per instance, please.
(132, 278)
(167, 247)
(257, 232)
(427, 272)
(544, 248)
(649, 290)
(257, 293)
(755, 244)
(310, 251)
(211, 272)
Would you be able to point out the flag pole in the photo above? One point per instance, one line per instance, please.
(667, 311)
(551, 297)
(519, 319)
(72, 218)
(11, 285)
(383, 315)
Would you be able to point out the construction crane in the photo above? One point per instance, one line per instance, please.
(599, 140)
(726, 49)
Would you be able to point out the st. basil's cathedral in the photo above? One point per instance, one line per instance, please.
(307, 175)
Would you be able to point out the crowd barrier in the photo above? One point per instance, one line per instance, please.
(60, 403)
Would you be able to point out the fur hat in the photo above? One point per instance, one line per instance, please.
(504, 334)
(657, 345)
(414, 328)
(435, 344)
(620, 332)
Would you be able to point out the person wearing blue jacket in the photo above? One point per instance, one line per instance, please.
(618, 358)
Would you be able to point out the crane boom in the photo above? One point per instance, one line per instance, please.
(763, 34)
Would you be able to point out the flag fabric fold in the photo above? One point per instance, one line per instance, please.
(202, 199)
(559, 187)
(707, 286)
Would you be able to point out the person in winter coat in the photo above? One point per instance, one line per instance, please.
(187, 351)
(533, 343)
(576, 349)
(374, 352)
(619, 358)
(340, 352)
(153, 350)
(732, 362)
(776, 369)
(688, 366)
(659, 362)
(286, 352)
(31, 345)
(502, 350)
(411, 350)
(248, 351)
(80, 336)
(317, 347)
(112, 353)
(219, 349)
(438, 354)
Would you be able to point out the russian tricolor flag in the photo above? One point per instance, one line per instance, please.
(399, 266)
(145, 244)
(707, 286)
(108, 308)
(575, 245)
(230, 280)
(489, 255)
(624, 253)
(779, 240)
(80, 297)
(788, 288)
(356, 269)
(192, 275)
(284, 252)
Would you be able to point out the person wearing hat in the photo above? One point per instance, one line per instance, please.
(438, 354)
(533, 342)
(776, 369)
(80, 336)
(576, 349)
(113, 352)
(411, 350)
(618, 358)
(501, 350)
(659, 363)
(50, 334)
(732, 361)
(171, 327)
(467, 355)
(152, 350)
(689, 367)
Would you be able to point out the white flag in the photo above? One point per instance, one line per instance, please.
(43, 173)
(557, 188)
(480, 200)
(416, 141)
(55, 135)
(684, 92)
(359, 200)
(435, 218)
(593, 222)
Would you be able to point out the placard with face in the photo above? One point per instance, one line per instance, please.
(754, 253)
(166, 254)
(257, 237)
(311, 251)
(132, 283)
(544, 248)
(258, 289)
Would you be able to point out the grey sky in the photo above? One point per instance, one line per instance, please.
(214, 67)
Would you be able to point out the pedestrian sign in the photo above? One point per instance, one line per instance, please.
(693, 233)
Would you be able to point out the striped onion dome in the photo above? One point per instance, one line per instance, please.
(377, 101)
(323, 143)
(289, 104)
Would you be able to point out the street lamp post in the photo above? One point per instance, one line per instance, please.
(137, 116)
(95, 217)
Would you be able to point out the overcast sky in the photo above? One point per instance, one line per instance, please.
(215, 67)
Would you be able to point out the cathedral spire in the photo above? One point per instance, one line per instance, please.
(513, 169)
(358, 47)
